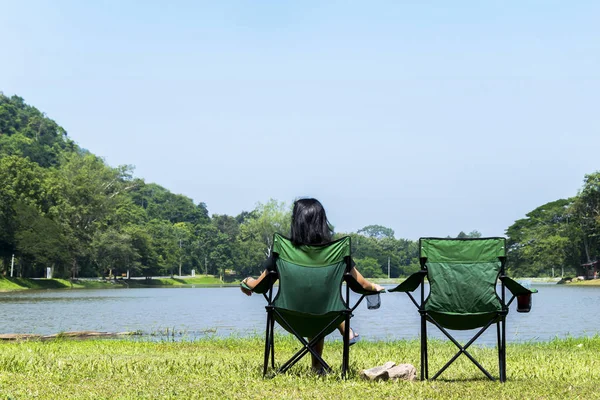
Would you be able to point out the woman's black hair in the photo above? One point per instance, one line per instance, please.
(309, 223)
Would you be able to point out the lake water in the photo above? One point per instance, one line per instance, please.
(558, 311)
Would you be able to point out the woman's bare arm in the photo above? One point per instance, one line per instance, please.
(365, 283)
(251, 282)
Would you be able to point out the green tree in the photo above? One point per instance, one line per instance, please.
(205, 238)
(369, 267)
(586, 210)
(39, 241)
(85, 195)
(114, 252)
(165, 244)
(23, 182)
(376, 231)
(401, 253)
(159, 203)
(546, 239)
(184, 235)
(28, 133)
(141, 240)
(220, 256)
(472, 234)
(267, 219)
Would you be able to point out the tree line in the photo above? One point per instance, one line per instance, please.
(62, 207)
(556, 238)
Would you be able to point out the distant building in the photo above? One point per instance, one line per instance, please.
(590, 270)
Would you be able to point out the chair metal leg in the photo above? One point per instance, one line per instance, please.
(272, 344)
(503, 358)
(424, 360)
(499, 336)
(268, 342)
(346, 351)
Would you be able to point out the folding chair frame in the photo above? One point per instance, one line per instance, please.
(307, 346)
(499, 320)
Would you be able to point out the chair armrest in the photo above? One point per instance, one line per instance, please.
(411, 283)
(357, 288)
(515, 287)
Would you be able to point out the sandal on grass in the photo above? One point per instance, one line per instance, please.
(355, 338)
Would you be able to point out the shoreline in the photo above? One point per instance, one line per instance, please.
(76, 335)
(19, 284)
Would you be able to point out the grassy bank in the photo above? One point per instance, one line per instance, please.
(231, 368)
(9, 284)
(197, 280)
(591, 282)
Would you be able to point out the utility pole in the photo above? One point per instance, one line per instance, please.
(388, 268)
(12, 265)
(179, 257)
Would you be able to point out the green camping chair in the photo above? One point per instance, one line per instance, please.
(309, 302)
(462, 275)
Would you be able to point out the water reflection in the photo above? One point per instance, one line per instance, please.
(189, 313)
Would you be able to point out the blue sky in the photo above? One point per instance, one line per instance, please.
(428, 117)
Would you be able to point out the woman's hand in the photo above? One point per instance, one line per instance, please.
(378, 288)
(247, 292)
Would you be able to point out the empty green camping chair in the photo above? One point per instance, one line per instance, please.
(309, 302)
(463, 275)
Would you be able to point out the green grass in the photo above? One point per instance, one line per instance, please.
(591, 282)
(232, 368)
(9, 284)
(198, 280)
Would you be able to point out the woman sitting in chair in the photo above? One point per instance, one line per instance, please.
(311, 227)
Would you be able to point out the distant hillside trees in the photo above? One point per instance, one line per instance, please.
(63, 208)
(558, 236)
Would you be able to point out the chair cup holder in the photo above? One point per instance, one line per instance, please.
(524, 303)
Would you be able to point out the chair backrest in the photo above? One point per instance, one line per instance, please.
(310, 279)
(462, 275)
